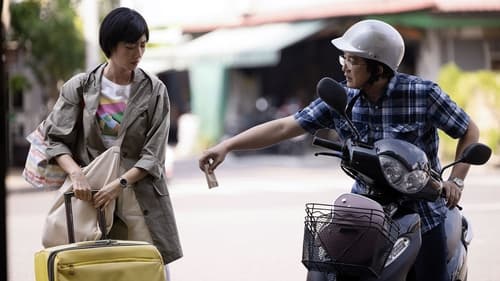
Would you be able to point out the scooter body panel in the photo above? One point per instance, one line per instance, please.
(457, 265)
(457, 251)
(453, 229)
(401, 266)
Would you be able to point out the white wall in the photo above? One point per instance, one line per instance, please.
(89, 13)
(429, 57)
(171, 12)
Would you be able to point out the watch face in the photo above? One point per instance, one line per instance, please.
(459, 182)
(123, 182)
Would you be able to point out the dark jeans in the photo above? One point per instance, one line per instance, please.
(431, 260)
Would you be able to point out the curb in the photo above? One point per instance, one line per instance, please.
(15, 183)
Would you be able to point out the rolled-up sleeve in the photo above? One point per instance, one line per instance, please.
(315, 116)
(446, 114)
(60, 127)
(152, 157)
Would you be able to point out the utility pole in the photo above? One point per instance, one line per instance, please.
(3, 151)
(89, 13)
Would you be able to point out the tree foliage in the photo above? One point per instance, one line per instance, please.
(51, 34)
(478, 93)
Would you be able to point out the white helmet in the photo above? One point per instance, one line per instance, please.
(373, 39)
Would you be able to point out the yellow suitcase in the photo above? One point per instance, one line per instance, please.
(105, 260)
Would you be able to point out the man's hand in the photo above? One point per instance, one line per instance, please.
(212, 157)
(453, 193)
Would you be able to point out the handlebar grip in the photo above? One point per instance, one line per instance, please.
(327, 144)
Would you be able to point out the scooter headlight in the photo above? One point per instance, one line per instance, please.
(400, 178)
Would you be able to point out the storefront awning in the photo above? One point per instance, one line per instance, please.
(248, 46)
(253, 46)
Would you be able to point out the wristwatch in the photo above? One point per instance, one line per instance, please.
(123, 182)
(459, 182)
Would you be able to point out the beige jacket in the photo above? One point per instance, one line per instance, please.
(72, 128)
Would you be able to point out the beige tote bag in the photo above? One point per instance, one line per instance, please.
(104, 169)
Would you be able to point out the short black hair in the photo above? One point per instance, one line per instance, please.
(372, 67)
(121, 25)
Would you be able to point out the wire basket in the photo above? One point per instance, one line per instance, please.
(347, 240)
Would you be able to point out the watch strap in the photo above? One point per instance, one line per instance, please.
(458, 181)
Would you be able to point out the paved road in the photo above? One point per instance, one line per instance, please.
(251, 226)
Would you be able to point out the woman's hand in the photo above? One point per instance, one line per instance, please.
(81, 186)
(107, 194)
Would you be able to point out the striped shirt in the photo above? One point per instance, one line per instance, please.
(410, 109)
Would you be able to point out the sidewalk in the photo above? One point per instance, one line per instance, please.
(15, 182)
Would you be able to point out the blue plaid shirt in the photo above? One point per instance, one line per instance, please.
(411, 109)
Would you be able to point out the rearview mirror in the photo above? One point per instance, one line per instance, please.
(333, 94)
(476, 154)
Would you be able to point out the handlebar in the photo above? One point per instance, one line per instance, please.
(327, 144)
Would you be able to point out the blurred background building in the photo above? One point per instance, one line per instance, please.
(230, 64)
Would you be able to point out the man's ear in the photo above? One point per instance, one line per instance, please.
(380, 70)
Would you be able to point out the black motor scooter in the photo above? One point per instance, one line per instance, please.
(376, 236)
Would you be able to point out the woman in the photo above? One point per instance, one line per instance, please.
(119, 104)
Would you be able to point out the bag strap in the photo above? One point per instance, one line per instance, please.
(85, 81)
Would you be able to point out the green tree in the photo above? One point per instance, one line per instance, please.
(478, 92)
(50, 32)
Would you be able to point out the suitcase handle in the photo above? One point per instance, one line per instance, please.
(101, 219)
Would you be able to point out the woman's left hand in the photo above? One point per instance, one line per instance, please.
(106, 195)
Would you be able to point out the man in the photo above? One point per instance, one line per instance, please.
(388, 105)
